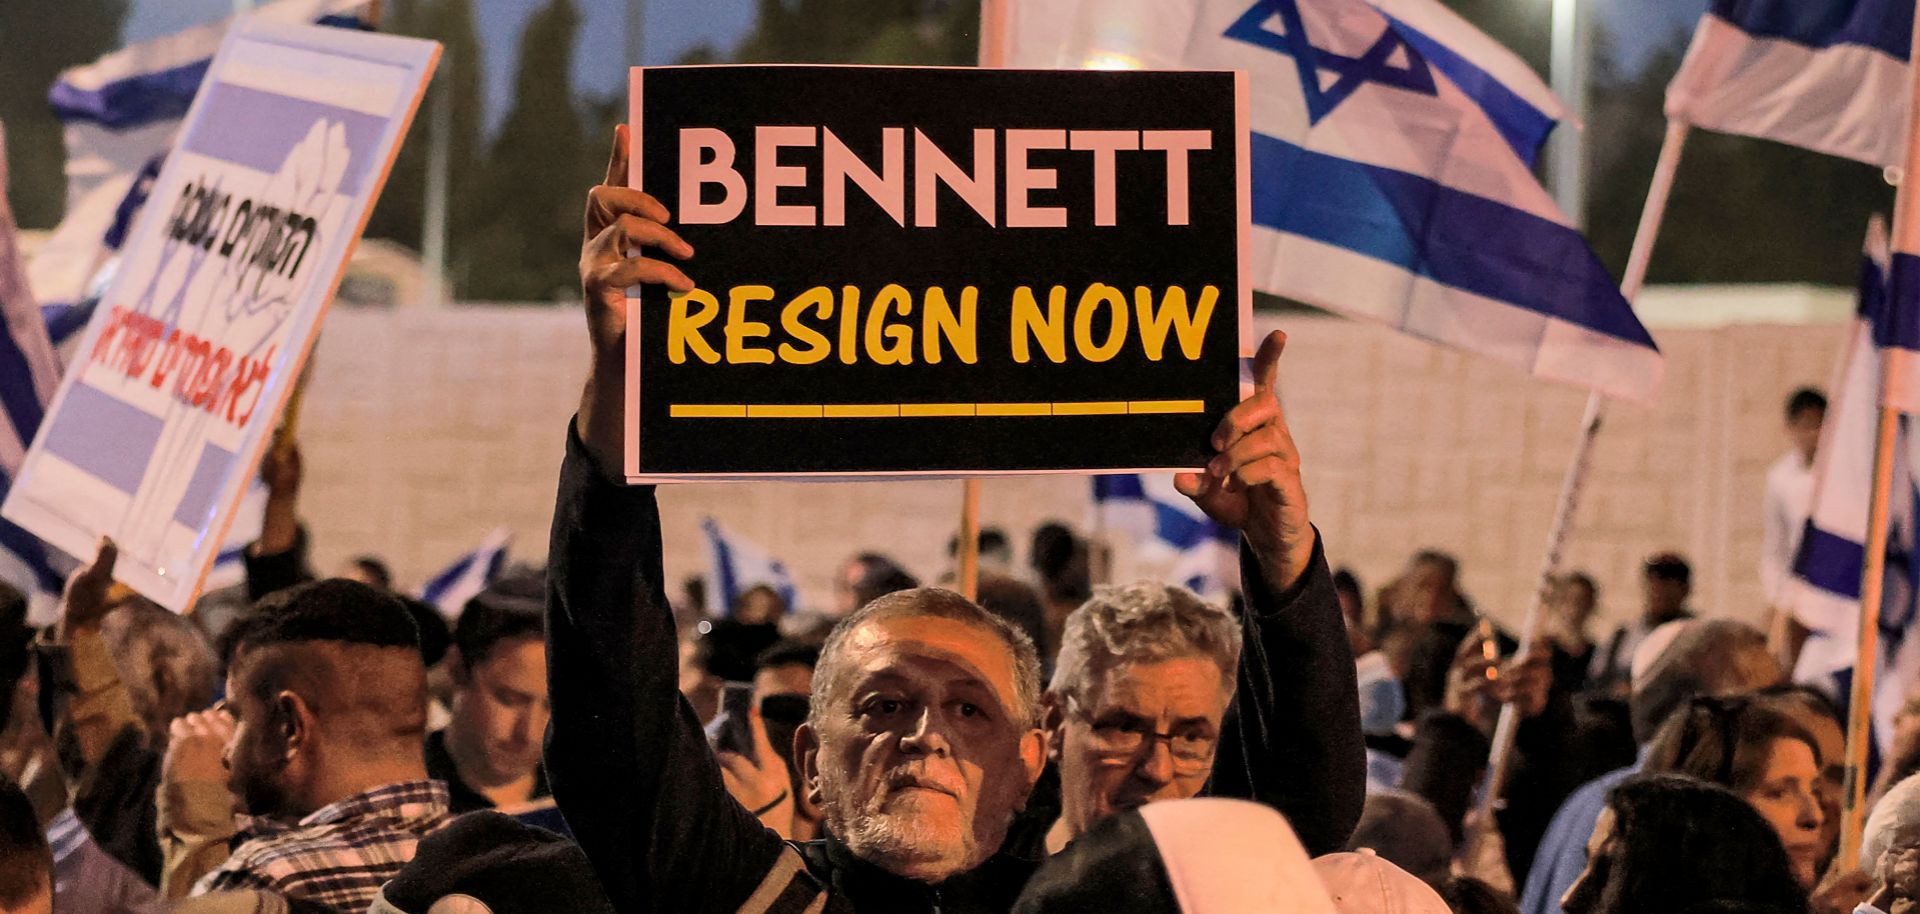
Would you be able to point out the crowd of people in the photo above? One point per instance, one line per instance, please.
(573, 739)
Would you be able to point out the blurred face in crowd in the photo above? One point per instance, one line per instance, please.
(1788, 797)
(917, 753)
(500, 713)
(846, 587)
(759, 606)
(785, 679)
(1573, 603)
(1804, 428)
(1427, 592)
(1147, 732)
(1665, 597)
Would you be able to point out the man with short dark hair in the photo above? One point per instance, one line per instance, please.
(328, 693)
(489, 753)
(1785, 507)
(923, 737)
(1666, 582)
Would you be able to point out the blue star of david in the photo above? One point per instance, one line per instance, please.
(1351, 73)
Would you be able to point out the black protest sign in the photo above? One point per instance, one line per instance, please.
(924, 270)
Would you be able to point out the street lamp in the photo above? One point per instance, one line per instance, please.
(1566, 161)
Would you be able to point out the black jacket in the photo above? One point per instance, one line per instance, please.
(632, 772)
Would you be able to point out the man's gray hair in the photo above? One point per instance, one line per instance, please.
(943, 604)
(1895, 823)
(1142, 622)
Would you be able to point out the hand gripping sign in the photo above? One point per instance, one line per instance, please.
(180, 378)
(938, 271)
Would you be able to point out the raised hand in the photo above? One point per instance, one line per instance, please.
(1253, 485)
(621, 225)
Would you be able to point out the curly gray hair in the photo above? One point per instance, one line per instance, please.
(1142, 622)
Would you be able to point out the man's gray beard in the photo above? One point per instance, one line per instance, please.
(895, 841)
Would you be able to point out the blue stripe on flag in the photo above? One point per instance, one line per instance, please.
(1898, 323)
(64, 321)
(1183, 531)
(1829, 562)
(1885, 25)
(1449, 236)
(17, 394)
(163, 95)
(1118, 487)
(1524, 126)
(729, 585)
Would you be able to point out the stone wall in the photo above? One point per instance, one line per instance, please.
(424, 429)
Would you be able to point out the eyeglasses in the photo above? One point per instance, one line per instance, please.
(1191, 747)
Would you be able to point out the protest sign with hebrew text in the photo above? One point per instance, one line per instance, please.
(176, 386)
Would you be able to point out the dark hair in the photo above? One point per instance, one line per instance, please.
(1803, 400)
(1436, 557)
(1015, 601)
(1679, 841)
(1467, 895)
(1725, 741)
(1052, 548)
(16, 646)
(882, 576)
(788, 652)
(335, 609)
(376, 568)
(435, 635)
(1669, 566)
(510, 607)
(26, 862)
(1345, 582)
(991, 539)
(1820, 702)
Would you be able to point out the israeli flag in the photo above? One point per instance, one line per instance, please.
(1382, 188)
(736, 565)
(1824, 593)
(1827, 75)
(1167, 525)
(121, 114)
(451, 588)
(230, 565)
(28, 376)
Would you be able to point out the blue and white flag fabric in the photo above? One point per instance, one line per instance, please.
(1826, 75)
(451, 588)
(1168, 526)
(736, 565)
(1824, 593)
(1512, 95)
(29, 375)
(1381, 188)
(121, 114)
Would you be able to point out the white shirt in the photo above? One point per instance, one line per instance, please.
(1788, 502)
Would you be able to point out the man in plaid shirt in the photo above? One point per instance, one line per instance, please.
(328, 692)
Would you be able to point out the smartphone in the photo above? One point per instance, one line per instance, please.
(732, 728)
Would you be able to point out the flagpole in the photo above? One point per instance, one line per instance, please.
(993, 53)
(1906, 237)
(1652, 216)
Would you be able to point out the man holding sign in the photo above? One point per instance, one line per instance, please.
(923, 740)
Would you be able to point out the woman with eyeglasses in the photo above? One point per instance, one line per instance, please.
(1764, 756)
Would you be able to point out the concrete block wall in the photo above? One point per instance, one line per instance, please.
(425, 429)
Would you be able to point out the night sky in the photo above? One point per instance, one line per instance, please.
(673, 26)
